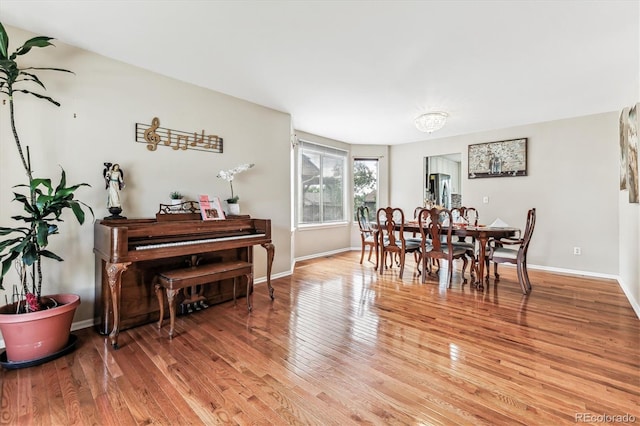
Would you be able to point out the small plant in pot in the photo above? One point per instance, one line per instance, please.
(176, 201)
(176, 195)
(25, 245)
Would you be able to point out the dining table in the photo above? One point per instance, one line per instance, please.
(480, 233)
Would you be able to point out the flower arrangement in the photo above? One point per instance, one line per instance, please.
(228, 175)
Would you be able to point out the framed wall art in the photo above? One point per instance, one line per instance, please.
(498, 159)
(633, 170)
(624, 147)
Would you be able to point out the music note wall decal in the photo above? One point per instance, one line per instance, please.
(153, 134)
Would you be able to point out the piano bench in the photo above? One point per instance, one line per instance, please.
(174, 281)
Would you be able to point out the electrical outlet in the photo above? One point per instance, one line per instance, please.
(485, 199)
(577, 251)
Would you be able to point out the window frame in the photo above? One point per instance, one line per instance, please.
(372, 211)
(324, 151)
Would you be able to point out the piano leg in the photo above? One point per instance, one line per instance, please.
(270, 254)
(249, 291)
(171, 297)
(158, 288)
(114, 274)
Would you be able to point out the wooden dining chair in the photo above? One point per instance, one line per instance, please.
(468, 216)
(471, 215)
(391, 240)
(367, 234)
(515, 253)
(436, 226)
(414, 236)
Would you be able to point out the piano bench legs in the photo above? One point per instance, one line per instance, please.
(174, 281)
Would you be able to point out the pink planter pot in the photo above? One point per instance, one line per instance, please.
(39, 334)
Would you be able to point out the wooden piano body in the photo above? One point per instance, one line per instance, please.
(129, 253)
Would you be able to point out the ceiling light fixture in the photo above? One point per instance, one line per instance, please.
(431, 121)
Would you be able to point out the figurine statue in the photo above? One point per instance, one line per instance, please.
(114, 181)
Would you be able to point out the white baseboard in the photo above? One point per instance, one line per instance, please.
(569, 271)
(316, 255)
(634, 304)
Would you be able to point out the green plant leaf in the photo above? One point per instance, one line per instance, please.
(40, 41)
(37, 95)
(6, 264)
(34, 78)
(42, 201)
(7, 231)
(25, 202)
(48, 69)
(43, 234)
(4, 44)
(50, 255)
(27, 219)
(77, 210)
(6, 243)
(29, 254)
(40, 181)
(63, 181)
(19, 248)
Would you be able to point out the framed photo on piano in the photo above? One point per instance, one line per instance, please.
(211, 208)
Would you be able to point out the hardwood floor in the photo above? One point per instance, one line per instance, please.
(342, 344)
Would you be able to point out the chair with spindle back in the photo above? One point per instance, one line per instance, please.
(436, 225)
(367, 233)
(516, 254)
(391, 240)
(469, 217)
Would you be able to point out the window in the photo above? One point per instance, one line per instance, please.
(365, 185)
(321, 190)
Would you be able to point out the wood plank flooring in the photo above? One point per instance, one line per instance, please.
(342, 345)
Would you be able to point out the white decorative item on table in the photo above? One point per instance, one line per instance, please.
(114, 183)
(228, 175)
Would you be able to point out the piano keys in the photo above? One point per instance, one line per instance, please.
(130, 252)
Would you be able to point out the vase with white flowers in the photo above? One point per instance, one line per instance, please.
(228, 175)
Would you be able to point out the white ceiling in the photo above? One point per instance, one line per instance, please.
(361, 71)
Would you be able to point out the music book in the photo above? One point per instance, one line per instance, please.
(210, 208)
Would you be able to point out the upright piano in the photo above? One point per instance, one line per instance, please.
(129, 253)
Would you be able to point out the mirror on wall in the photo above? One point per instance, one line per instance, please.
(442, 180)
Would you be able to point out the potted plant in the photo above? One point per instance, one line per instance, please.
(25, 245)
(228, 175)
(176, 197)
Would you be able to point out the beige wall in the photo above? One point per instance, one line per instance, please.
(572, 183)
(629, 234)
(100, 105)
